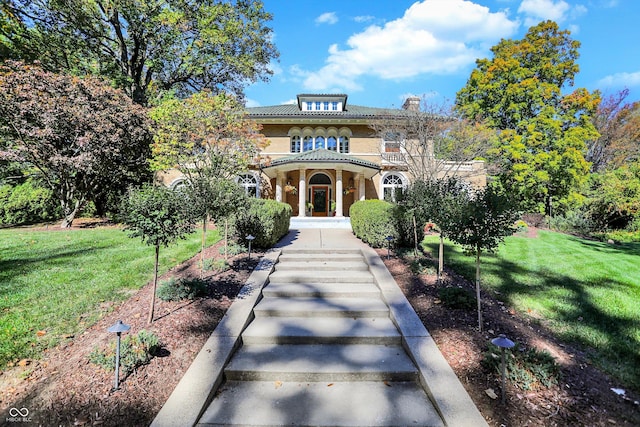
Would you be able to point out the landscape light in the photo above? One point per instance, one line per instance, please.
(118, 328)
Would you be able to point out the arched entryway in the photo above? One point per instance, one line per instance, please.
(320, 193)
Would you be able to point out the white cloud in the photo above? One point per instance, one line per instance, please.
(289, 101)
(542, 10)
(250, 103)
(433, 36)
(327, 18)
(364, 18)
(620, 80)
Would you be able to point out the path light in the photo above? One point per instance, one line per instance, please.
(503, 342)
(389, 239)
(118, 328)
(250, 238)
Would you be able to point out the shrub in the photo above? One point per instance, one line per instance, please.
(173, 290)
(573, 222)
(135, 351)
(233, 248)
(403, 222)
(267, 220)
(28, 202)
(423, 266)
(526, 369)
(372, 221)
(218, 265)
(461, 298)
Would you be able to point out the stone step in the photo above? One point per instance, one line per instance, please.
(328, 266)
(321, 307)
(326, 330)
(279, 403)
(343, 257)
(321, 251)
(329, 362)
(325, 277)
(321, 290)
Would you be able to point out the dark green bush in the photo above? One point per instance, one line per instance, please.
(135, 350)
(527, 370)
(453, 297)
(423, 266)
(266, 220)
(404, 224)
(173, 290)
(26, 203)
(372, 221)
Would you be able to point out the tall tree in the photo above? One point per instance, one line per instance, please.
(543, 132)
(147, 45)
(619, 126)
(82, 135)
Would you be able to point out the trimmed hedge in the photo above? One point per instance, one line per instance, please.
(372, 221)
(265, 219)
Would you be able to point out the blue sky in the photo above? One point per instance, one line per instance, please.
(381, 51)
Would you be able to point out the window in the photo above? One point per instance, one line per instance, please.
(334, 106)
(307, 143)
(326, 105)
(320, 142)
(344, 144)
(249, 182)
(392, 142)
(295, 144)
(392, 185)
(332, 143)
(309, 106)
(318, 105)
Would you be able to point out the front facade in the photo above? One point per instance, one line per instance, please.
(323, 156)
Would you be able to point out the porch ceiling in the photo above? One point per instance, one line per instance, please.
(321, 159)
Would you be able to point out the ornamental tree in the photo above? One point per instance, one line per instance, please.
(158, 216)
(144, 46)
(521, 92)
(80, 134)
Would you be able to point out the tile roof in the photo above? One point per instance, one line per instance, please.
(323, 155)
(292, 110)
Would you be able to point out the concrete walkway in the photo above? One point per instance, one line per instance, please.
(320, 335)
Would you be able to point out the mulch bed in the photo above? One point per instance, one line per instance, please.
(64, 388)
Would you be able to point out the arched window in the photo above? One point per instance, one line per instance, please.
(392, 185)
(249, 182)
(344, 144)
(332, 143)
(307, 143)
(179, 184)
(320, 142)
(295, 144)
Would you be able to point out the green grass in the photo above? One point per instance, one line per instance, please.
(586, 292)
(57, 281)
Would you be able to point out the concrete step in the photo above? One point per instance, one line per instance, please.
(342, 257)
(325, 277)
(329, 362)
(326, 330)
(320, 307)
(320, 251)
(328, 266)
(280, 403)
(324, 290)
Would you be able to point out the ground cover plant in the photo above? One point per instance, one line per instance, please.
(586, 292)
(55, 284)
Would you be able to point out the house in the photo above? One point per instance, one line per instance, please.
(324, 155)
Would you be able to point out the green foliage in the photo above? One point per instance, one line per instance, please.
(135, 351)
(576, 222)
(453, 297)
(423, 265)
(178, 290)
(217, 265)
(542, 132)
(156, 214)
(145, 46)
(614, 197)
(265, 219)
(372, 221)
(529, 369)
(233, 248)
(28, 202)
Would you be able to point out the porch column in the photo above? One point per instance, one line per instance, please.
(279, 179)
(361, 186)
(339, 194)
(302, 193)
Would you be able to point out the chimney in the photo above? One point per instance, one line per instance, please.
(411, 104)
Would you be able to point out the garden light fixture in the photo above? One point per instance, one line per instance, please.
(389, 239)
(250, 238)
(118, 328)
(503, 342)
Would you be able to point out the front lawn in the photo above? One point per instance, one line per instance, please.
(54, 284)
(586, 292)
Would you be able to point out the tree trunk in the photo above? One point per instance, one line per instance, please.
(440, 258)
(69, 213)
(478, 289)
(226, 239)
(155, 285)
(415, 235)
(204, 240)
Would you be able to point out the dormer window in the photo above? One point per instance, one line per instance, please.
(334, 106)
(322, 102)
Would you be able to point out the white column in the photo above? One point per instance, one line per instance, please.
(339, 194)
(302, 192)
(361, 186)
(279, 179)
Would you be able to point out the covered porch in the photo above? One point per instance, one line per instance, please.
(321, 183)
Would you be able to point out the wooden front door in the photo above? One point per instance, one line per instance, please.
(320, 197)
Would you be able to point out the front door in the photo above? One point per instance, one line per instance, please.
(320, 197)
